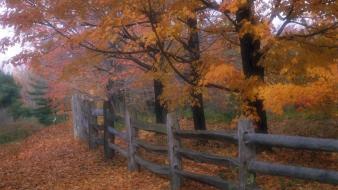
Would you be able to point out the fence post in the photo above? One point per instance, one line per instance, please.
(246, 154)
(174, 159)
(79, 125)
(75, 112)
(108, 121)
(132, 164)
(92, 124)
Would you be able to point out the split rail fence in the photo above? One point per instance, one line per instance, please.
(246, 163)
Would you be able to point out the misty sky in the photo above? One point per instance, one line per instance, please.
(5, 32)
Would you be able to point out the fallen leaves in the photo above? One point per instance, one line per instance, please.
(51, 159)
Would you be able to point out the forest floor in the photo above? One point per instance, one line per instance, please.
(52, 159)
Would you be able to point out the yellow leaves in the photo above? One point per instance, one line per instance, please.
(183, 9)
(169, 29)
(324, 74)
(188, 13)
(290, 61)
(294, 60)
(224, 74)
(279, 95)
(288, 65)
(250, 88)
(149, 39)
(321, 91)
(232, 5)
(299, 74)
(259, 31)
(249, 112)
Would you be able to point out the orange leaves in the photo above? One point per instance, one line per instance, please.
(223, 74)
(23, 20)
(159, 36)
(259, 31)
(322, 91)
(232, 5)
(187, 12)
(279, 95)
(329, 73)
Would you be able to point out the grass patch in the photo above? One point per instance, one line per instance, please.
(215, 117)
(304, 123)
(147, 117)
(212, 116)
(15, 131)
(119, 125)
(292, 113)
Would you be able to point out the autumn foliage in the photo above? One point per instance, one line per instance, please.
(269, 54)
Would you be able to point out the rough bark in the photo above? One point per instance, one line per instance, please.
(250, 53)
(194, 45)
(198, 111)
(108, 117)
(160, 110)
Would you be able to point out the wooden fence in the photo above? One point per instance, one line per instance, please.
(245, 163)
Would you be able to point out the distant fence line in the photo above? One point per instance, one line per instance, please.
(245, 138)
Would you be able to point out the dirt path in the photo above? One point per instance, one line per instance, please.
(51, 159)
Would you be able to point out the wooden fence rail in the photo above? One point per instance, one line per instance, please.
(294, 142)
(211, 135)
(245, 138)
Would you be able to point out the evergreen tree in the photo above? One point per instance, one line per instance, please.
(43, 110)
(9, 90)
(10, 98)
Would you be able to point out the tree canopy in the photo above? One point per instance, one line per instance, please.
(268, 53)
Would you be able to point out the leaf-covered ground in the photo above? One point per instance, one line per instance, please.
(52, 159)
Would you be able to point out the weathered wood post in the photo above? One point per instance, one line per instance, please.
(246, 154)
(82, 117)
(108, 121)
(92, 124)
(174, 159)
(132, 133)
(78, 118)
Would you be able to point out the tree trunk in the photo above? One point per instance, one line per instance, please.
(160, 110)
(198, 111)
(194, 45)
(250, 52)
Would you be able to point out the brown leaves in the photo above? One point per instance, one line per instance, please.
(51, 159)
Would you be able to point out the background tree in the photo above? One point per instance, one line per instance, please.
(139, 33)
(259, 36)
(10, 98)
(9, 90)
(43, 109)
